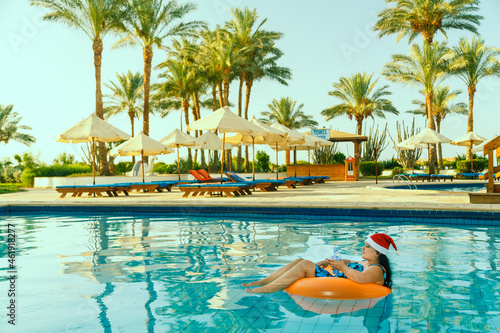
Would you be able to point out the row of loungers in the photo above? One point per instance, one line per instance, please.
(234, 185)
(425, 176)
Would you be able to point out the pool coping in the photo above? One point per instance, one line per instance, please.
(325, 214)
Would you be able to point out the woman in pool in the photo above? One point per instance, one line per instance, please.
(375, 268)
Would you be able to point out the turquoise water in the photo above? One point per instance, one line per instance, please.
(444, 187)
(142, 274)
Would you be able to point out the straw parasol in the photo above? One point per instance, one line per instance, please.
(469, 140)
(176, 139)
(92, 129)
(427, 136)
(272, 136)
(225, 121)
(141, 145)
(293, 137)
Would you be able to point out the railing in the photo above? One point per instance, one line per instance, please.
(406, 180)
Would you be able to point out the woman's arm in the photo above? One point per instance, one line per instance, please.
(372, 274)
(346, 261)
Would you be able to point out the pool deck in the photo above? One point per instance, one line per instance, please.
(363, 194)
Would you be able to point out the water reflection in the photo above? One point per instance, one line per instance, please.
(185, 275)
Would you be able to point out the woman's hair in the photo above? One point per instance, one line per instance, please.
(384, 261)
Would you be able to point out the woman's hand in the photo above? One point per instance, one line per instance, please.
(337, 264)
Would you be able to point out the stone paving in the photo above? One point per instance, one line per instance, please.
(362, 194)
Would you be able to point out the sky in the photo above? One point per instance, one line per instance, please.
(47, 70)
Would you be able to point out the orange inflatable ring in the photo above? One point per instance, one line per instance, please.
(336, 288)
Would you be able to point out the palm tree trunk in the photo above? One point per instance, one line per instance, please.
(240, 100)
(99, 110)
(249, 84)
(132, 116)
(440, 148)
(147, 54)
(430, 124)
(226, 92)
(359, 125)
(214, 97)
(221, 94)
(199, 133)
(428, 37)
(185, 107)
(470, 121)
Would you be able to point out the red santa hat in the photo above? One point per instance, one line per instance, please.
(381, 242)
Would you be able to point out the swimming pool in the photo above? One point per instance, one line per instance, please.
(112, 273)
(451, 187)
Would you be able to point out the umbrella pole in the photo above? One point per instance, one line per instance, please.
(277, 165)
(309, 160)
(429, 156)
(471, 157)
(222, 157)
(178, 163)
(295, 160)
(93, 161)
(142, 164)
(253, 158)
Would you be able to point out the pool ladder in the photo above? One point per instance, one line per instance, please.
(406, 180)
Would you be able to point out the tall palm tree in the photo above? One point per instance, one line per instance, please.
(474, 61)
(96, 18)
(286, 112)
(126, 97)
(424, 68)
(413, 17)
(441, 107)
(150, 22)
(244, 30)
(10, 128)
(360, 99)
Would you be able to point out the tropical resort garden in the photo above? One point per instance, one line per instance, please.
(162, 228)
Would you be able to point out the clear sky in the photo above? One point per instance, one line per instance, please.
(47, 69)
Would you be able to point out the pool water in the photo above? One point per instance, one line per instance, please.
(444, 187)
(150, 274)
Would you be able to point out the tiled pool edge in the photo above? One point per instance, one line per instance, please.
(419, 216)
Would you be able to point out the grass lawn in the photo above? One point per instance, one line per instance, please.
(10, 188)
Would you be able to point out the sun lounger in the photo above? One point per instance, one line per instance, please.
(484, 176)
(229, 189)
(264, 185)
(111, 190)
(443, 177)
(207, 179)
(301, 180)
(468, 175)
(320, 179)
(419, 176)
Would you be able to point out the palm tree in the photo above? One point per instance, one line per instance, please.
(150, 22)
(289, 114)
(258, 43)
(10, 128)
(126, 97)
(96, 18)
(474, 61)
(441, 107)
(424, 68)
(360, 99)
(413, 17)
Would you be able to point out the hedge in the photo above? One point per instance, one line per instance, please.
(368, 168)
(478, 165)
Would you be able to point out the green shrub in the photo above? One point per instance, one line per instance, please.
(58, 170)
(368, 168)
(28, 178)
(391, 164)
(478, 165)
(397, 171)
(123, 167)
(339, 158)
(262, 163)
(162, 168)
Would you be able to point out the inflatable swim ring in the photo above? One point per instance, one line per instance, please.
(336, 288)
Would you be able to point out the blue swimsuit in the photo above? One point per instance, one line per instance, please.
(321, 272)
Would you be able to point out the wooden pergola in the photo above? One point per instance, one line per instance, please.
(338, 136)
